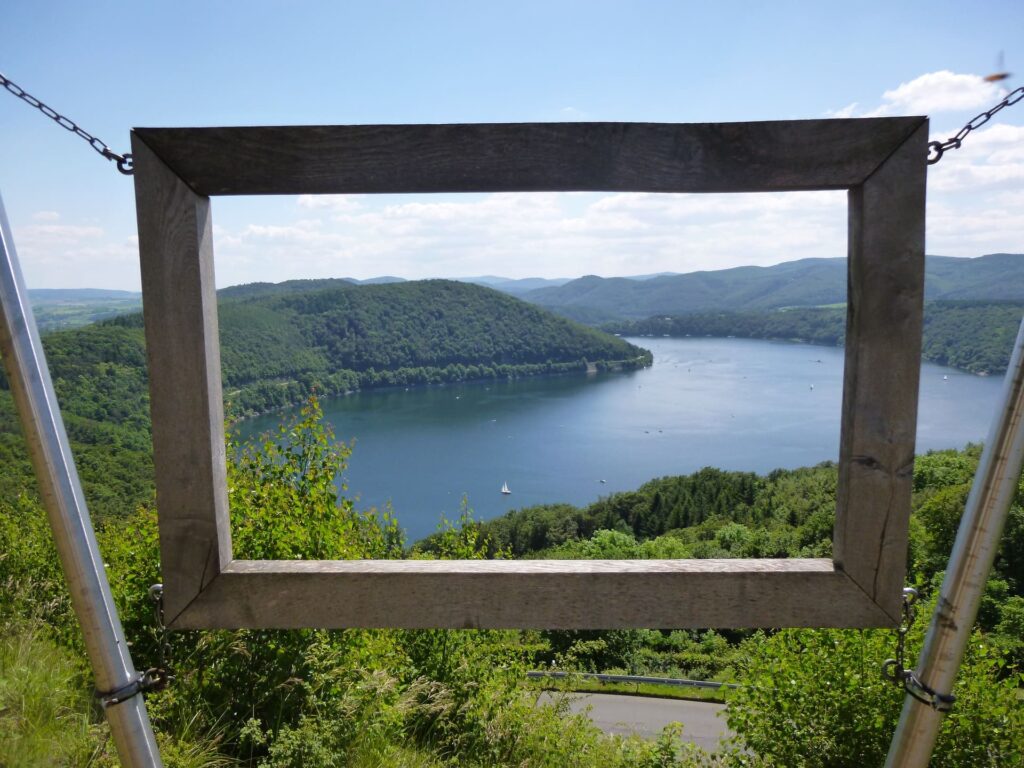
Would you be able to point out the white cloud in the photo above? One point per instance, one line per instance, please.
(71, 255)
(991, 158)
(930, 94)
(45, 216)
(57, 234)
(541, 234)
(942, 91)
(975, 197)
(338, 203)
(850, 110)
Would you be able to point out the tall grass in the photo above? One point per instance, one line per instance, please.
(45, 707)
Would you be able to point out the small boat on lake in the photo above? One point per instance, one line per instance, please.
(504, 489)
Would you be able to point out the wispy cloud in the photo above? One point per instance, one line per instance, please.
(55, 255)
(58, 234)
(541, 234)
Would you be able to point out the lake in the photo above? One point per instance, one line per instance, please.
(737, 404)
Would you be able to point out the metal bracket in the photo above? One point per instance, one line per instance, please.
(153, 679)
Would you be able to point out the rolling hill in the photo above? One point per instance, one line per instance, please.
(803, 283)
(279, 343)
(74, 307)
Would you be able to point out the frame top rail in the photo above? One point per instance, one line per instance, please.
(774, 156)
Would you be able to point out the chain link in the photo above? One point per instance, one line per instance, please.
(155, 678)
(937, 148)
(160, 674)
(124, 162)
(896, 671)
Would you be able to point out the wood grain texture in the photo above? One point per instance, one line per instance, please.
(537, 567)
(530, 157)
(183, 351)
(552, 595)
(883, 349)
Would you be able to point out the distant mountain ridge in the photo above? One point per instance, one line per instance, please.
(61, 308)
(596, 300)
(803, 283)
(515, 286)
(63, 295)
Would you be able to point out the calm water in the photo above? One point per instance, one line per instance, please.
(729, 403)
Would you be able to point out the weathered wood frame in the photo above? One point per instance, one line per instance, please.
(881, 162)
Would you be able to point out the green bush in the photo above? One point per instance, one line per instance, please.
(432, 698)
(817, 698)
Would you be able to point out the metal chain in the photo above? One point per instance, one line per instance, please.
(937, 148)
(155, 678)
(896, 671)
(124, 162)
(161, 673)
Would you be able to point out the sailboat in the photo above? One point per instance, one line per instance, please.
(504, 489)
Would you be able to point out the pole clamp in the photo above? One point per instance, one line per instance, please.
(153, 679)
(916, 687)
(897, 670)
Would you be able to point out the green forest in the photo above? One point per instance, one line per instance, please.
(432, 698)
(975, 336)
(282, 343)
(436, 698)
(279, 347)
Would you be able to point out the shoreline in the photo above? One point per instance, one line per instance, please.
(797, 340)
(586, 368)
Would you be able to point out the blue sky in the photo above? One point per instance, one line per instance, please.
(111, 66)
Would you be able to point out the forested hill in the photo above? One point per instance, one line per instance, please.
(278, 345)
(804, 283)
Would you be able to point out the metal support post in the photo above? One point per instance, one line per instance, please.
(61, 491)
(981, 527)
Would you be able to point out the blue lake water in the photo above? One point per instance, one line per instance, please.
(731, 403)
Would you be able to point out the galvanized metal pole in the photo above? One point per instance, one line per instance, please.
(981, 527)
(69, 519)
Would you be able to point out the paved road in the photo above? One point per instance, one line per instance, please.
(646, 717)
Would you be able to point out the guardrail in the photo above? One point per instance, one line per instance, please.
(537, 674)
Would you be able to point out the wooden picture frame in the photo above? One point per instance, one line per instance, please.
(880, 161)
